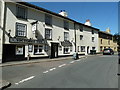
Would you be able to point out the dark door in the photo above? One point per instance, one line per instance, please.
(9, 53)
(54, 50)
(87, 49)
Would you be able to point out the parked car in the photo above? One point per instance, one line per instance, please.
(108, 51)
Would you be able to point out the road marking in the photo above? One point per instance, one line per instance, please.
(25, 80)
(62, 65)
(52, 69)
(77, 60)
(108, 56)
(45, 72)
(72, 62)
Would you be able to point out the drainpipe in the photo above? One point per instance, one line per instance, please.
(2, 11)
(75, 36)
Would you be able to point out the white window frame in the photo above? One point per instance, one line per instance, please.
(21, 30)
(19, 50)
(66, 36)
(93, 39)
(48, 33)
(68, 50)
(46, 48)
(38, 49)
(81, 37)
(82, 48)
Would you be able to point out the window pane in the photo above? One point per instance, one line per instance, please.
(48, 34)
(20, 29)
(66, 36)
(21, 12)
(48, 19)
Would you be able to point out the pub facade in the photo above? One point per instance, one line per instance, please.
(32, 31)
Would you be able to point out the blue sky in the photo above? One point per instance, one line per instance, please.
(101, 14)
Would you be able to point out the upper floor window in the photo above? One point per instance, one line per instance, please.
(21, 29)
(48, 34)
(81, 28)
(66, 36)
(92, 31)
(21, 12)
(82, 48)
(93, 39)
(81, 37)
(66, 25)
(108, 42)
(48, 19)
(101, 48)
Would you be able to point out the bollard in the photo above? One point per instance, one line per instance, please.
(28, 57)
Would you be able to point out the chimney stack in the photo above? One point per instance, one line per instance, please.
(88, 23)
(63, 13)
(108, 30)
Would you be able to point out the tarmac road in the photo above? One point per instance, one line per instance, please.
(90, 72)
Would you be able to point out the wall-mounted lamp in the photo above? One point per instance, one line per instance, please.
(72, 39)
(58, 38)
(9, 31)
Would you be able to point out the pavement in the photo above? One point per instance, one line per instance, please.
(36, 61)
(4, 84)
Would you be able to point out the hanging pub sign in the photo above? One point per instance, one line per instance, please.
(25, 40)
(34, 28)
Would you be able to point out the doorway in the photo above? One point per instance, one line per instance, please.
(87, 49)
(54, 50)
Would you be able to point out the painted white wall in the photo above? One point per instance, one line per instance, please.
(35, 15)
(1, 27)
(87, 39)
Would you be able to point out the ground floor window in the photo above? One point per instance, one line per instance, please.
(60, 48)
(66, 50)
(78, 48)
(93, 48)
(46, 48)
(71, 48)
(30, 48)
(101, 48)
(19, 50)
(38, 49)
(82, 48)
